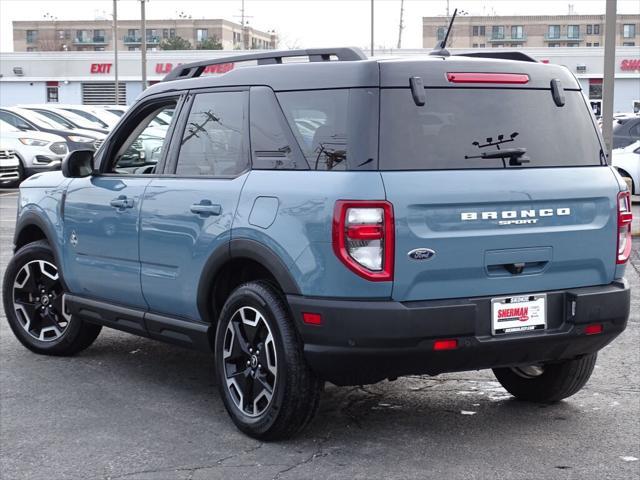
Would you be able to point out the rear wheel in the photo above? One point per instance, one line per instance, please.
(267, 387)
(34, 302)
(547, 383)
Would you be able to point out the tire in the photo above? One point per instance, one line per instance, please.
(42, 324)
(552, 383)
(254, 317)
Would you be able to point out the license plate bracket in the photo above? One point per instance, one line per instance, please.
(518, 313)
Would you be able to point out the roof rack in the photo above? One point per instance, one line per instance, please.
(195, 69)
(512, 55)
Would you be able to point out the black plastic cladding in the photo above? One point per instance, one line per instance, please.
(388, 72)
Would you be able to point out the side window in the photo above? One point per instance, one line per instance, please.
(634, 131)
(272, 143)
(336, 129)
(319, 121)
(214, 139)
(14, 120)
(142, 148)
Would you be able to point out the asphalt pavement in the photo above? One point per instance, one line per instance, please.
(135, 409)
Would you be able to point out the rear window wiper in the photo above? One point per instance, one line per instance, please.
(516, 156)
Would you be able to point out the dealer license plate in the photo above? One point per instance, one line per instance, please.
(518, 314)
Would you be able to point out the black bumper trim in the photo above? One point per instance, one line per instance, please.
(364, 342)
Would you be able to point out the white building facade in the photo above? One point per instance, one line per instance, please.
(88, 77)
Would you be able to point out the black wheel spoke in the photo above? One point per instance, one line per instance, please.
(252, 333)
(240, 338)
(262, 380)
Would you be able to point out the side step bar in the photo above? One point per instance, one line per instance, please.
(185, 333)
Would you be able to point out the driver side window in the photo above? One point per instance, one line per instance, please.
(143, 148)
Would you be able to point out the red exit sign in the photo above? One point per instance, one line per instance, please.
(100, 68)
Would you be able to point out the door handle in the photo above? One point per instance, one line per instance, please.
(206, 208)
(122, 202)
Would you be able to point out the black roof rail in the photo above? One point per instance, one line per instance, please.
(195, 69)
(512, 55)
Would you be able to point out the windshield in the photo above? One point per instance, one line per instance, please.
(77, 120)
(468, 128)
(84, 118)
(6, 127)
(40, 120)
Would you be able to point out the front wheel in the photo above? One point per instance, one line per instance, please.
(547, 383)
(34, 303)
(266, 386)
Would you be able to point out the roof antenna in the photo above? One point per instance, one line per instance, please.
(440, 48)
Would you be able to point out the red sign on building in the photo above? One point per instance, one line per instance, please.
(100, 68)
(220, 68)
(630, 64)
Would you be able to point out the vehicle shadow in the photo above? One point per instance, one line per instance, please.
(446, 405)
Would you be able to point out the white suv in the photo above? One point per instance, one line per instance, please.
(9, 167)
(36, 151)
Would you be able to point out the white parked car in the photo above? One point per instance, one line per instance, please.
(9, 167)
(69, 119)
(37, 151)
(627, 161)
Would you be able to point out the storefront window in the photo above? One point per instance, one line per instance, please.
(595, 89)
(52, 94)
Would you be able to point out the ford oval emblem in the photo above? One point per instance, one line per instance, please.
(421, 253)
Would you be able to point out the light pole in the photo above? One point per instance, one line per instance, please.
(609, 75)
(143, 43)
(372, 28)
(115, 49)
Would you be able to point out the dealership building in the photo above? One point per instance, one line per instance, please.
(88, 77)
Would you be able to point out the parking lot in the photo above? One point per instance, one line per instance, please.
(131, 408)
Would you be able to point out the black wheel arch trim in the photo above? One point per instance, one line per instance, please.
(240, 248)
(29, 219)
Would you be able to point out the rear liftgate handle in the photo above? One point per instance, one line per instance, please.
(206, 208)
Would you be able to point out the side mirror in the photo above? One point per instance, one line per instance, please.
(78, 164)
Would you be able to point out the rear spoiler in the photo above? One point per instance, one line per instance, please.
(512, 55)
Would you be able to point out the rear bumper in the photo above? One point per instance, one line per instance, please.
(362, 342)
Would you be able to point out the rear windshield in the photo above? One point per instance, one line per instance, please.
(458, 128)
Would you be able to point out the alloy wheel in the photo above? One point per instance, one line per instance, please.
(38, 301)
(250, 361)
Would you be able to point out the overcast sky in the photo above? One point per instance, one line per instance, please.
(300, 23)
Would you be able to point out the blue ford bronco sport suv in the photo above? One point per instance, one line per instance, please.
(342, 219)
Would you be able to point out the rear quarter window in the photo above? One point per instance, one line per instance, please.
(458, 123)
(335, 129)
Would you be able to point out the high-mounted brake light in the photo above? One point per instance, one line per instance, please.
(363, 237)
(625, 217)
(477, 77)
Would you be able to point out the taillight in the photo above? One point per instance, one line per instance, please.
(625, 218)
(478, 77)
(363, 237)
